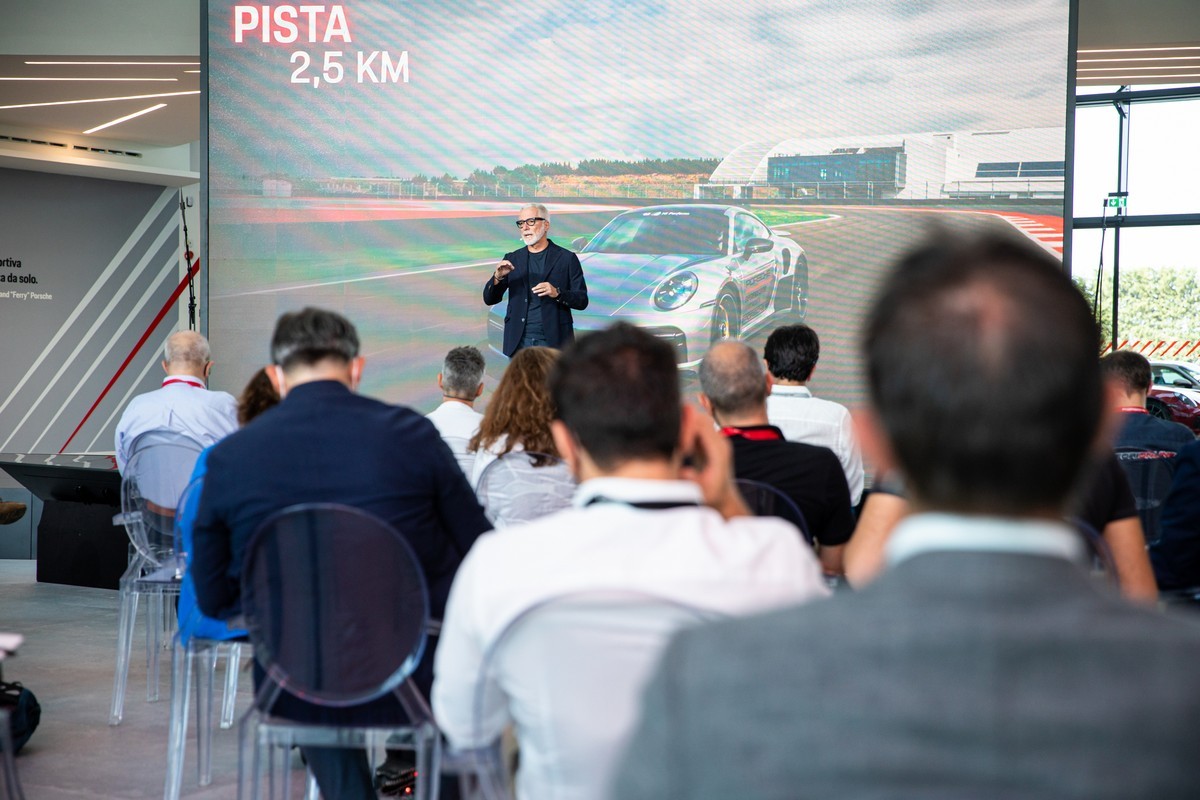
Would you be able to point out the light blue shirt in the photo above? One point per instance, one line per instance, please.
(182, 405)
(925, 533)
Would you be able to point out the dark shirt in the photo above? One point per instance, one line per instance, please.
(1176, 555)
(1105, 496)
(534, 329)
(812, 476)
(1139, 429)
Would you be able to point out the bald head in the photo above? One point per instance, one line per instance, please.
(187, 353)
(734, 380)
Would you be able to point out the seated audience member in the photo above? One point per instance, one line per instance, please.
(461, 383)
(518, 416)
(1106, 504)
(1176, 555)
(791, 353)
(258, 396)
(735, 388)
(983, 663)
(1128, 373)
(183, 404)
(326, 443)
(642, 523)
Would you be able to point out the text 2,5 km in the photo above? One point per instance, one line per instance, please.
(337, 66)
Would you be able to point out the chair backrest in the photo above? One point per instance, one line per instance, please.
(335, 603)
(521, 486)
(185, 515)
(570, 672)
(765, 500)
(1150, 473)
(159, 468)
(459, 447)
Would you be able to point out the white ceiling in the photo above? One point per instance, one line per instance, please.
(144, 30)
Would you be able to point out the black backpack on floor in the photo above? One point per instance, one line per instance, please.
(24, 712)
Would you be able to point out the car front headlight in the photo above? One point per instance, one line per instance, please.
(676, 290)
(1187, 401)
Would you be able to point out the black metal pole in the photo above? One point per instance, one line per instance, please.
(188, 256)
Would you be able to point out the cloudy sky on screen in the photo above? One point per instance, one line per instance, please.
(562, 80)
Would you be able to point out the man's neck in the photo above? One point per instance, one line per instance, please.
(650, 469)
(1134, 400)
(185, 372)
(539, 245)
(448, 399)
(747, 420)
(786, 382)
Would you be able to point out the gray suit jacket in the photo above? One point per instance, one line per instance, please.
(955, 675)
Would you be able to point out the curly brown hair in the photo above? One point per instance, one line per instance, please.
(257, 397)
(521, 409)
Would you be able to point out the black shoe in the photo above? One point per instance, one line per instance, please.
(395, 780)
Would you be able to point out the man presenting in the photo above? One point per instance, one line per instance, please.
(544, 282)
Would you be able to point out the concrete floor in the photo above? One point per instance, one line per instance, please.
(67, 660)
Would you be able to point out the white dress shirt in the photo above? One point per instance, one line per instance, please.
(457, 422)
(687, 554)
(183, 405)
(941, 532)
(811, 420)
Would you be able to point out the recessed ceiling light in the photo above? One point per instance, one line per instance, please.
(127, 80)
(99, 100)
(124, 63)
(125, 118)
(196, 71)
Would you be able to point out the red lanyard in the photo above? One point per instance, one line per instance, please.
(765, 434)
(1133, 410)
(180, 380)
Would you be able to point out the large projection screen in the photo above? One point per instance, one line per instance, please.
(371, 157)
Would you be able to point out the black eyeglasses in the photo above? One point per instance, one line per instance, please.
(525, 223)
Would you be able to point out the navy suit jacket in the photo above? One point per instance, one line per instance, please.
(1176, 555)
(325, 443)
(563, 272)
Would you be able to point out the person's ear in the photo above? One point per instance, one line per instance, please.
(440, 389)
(275, 375)
(166, 367)
(568, 448)
(356, 371)
(770, 382)
(208, 369)
(873, 439)
(479, 390)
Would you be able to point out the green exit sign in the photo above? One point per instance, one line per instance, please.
(1117, 202)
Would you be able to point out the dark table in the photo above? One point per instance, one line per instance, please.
(77, 542)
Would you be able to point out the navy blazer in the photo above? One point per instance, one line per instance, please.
(1176, 555)
(563, 272)
(325, 443)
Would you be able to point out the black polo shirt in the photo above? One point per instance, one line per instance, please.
(812, 476)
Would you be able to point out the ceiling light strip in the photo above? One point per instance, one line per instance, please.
(99, 100)
(1112, 79)
(126, 118)
(120, 63)
(1150, 58)
(1140, 49)
(126, 80)
(1131, 69)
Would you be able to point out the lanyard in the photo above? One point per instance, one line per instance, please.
(1133, 410)
(764, 434)
(180, 380)
(648, 505)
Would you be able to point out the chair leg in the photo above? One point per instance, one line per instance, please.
(154, 627)
(428, 744)
(311, 790)
(128, 616)
(229, 698)
(181, 672)
(247, 768)
(205, 684)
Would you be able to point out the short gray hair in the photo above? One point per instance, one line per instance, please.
(541, 210)
(187, 347)
(462, 372)
(733, 378)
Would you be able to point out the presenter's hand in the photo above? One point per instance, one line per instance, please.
(708, 462)
(544, 289)
(502, 270)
